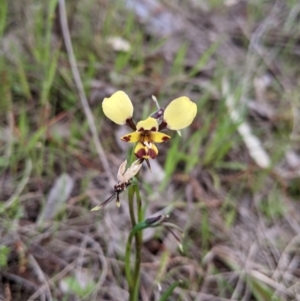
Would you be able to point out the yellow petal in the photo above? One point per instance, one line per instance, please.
(132, 137)
(180, 113)
(143, 152)
(118, 107)
(149, 124)
(159, 137)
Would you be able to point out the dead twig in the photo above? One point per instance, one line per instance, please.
(41, 276)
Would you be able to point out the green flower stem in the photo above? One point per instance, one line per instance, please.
(134, 281)
(131, 192)
(127, 263)
(136, 232)
(139, 243)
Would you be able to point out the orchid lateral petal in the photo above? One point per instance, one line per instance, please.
(131, 137)
(98, 207)
(180, 113)
(149, 124)
(158, 137)
(118, 107)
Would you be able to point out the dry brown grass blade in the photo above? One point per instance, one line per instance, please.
(77, 79)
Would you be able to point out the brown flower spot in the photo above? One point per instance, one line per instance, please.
(141, 153)
(152, 153)
(126, 138)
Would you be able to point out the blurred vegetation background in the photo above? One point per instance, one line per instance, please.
(231, 181)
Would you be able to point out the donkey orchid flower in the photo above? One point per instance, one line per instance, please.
(179, 114)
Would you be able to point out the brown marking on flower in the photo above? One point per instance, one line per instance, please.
(126, 138)
(153, 129)
(141, 153)
(152, 153)
(162, 126)
(165, 138)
